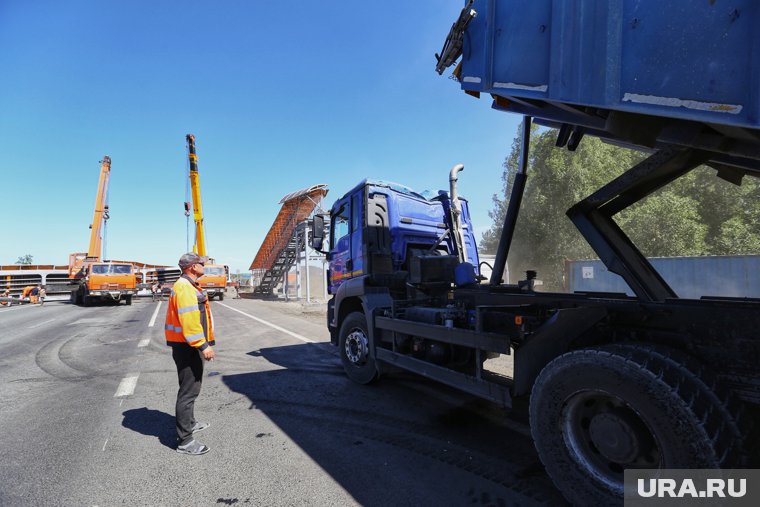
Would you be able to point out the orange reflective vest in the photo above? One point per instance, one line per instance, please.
(184, 321)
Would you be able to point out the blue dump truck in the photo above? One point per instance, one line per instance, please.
(613, 382)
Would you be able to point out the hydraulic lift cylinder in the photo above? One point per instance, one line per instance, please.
(510, 219)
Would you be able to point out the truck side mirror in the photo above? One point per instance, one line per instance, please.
(317, 232)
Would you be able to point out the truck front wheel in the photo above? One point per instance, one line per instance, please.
(128, 300)
(596, 412)
(355, 346)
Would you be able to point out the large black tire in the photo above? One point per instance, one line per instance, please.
(221, 296)
(356, 349)
(596, 412)
(128, 300)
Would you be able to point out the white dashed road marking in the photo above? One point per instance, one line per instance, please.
(127, 386)
(155, 314)
(273, 326)
(144, 342)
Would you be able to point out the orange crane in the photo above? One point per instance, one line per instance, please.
(214, 279)
(95, 278)
(77, 261)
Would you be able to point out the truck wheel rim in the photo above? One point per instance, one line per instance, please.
(605, 435)
(357, 347)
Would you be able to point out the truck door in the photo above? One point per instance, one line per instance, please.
(346, 253)
(357, 258)
(340, 244)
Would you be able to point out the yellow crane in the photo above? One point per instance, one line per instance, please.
(214, 279)
(199, 246)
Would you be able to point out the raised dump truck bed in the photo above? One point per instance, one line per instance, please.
(636, 71)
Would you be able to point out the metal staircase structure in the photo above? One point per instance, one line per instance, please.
(282, 264)
(285, 239)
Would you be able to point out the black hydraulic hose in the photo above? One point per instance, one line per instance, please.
(510, 219)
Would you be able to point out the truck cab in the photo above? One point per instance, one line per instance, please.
(214, 280)
(386, 235)
(106, 281)
(379, 227)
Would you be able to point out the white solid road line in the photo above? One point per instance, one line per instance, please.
(42, 323)
(155, 314)
(127, 386)
(273, 326)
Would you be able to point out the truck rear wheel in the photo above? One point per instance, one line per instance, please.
(221, 296)
(355, 349)
(128, 300)
(596, 412)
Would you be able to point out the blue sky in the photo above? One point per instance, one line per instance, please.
(280, 96)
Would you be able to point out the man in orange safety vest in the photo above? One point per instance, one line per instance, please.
(189, 331)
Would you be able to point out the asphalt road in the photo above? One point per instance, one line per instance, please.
(87, 415)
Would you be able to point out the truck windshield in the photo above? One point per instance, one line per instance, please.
(111, 269)
(208, 271)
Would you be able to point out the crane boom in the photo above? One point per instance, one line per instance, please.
(215, 277)
(101, 209)
(199, 246)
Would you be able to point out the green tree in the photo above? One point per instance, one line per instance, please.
(665, 225)
(698, 214)
(544, 236)
(737, 237)
(25, 259)
(731, 213)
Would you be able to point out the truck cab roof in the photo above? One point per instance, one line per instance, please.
(425, 195)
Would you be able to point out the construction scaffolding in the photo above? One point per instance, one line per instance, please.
(286, 240)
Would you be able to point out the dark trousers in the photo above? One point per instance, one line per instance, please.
(190, 374)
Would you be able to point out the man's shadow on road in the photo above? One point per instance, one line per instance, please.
(152, 423)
